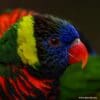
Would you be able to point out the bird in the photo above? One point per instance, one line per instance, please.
(35, 50)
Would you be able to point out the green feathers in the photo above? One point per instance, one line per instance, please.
(8, 47)
(77, 82)
(18, 45)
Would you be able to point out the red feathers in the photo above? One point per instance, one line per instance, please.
(8, 19)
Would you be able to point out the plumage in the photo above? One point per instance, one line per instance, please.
(34, 53)
(76, 83)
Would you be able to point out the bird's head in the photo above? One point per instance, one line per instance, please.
(58, 45)
(46, 43)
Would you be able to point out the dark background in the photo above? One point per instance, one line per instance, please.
(85, 14)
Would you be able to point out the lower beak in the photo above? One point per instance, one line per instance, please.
(78, 53)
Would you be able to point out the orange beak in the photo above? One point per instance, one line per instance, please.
(78, 53)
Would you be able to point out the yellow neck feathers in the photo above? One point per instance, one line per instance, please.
(26, 41)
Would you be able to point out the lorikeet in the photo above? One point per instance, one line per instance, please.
(35, 50)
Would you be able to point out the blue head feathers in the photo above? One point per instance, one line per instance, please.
(54, 37)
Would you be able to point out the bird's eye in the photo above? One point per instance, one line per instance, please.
(54, 41)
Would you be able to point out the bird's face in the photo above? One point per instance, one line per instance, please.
(56, 44)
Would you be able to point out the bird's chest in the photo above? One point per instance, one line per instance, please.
(25, 86)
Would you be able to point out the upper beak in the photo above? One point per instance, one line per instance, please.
(78, 52)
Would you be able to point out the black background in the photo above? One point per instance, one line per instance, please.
(84, 14)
